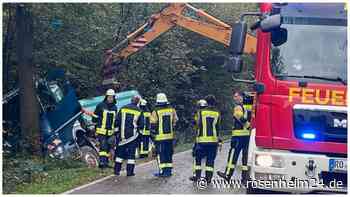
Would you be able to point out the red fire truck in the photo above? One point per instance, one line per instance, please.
(300, 111)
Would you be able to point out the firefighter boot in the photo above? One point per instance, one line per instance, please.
(158, 174)
(196, 176)
(102, 162)
(117, 168)
(208, 176)
(167, 172)
(193, 178)
(245, 177)
(130, 170)
(223, 175)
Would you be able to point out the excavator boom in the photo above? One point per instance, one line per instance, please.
(170, 16)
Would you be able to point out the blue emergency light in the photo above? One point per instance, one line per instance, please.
(309, 136)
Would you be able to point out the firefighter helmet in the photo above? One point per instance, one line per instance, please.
(110, 92)
(161, 98)
(202, 103)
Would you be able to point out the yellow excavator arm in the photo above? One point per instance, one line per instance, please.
(159, 23)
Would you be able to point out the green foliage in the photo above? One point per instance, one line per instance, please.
(179, 63)
(24, 170)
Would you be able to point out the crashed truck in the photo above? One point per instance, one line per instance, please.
(65, 131)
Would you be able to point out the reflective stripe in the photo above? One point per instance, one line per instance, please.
(125, 141)
(231, 157)
(230, 165)
(147, 114)
(136, 114)
(137, 153)
(103, 153)
(131, 111)
(207, 139)
(165, 165)
(122, 128)
(194, 166)
(101, 131)
(142, 150)
(161, 135)
(248, 107)
(146, 132)
(244, 168)
(164, 137)
(118, 159)
(204, 115)
(104, 131)
(110, 132)
(131, 161)
(104, 117)
(240, 132)
(158, 159)
(209, 168)
(197, 167)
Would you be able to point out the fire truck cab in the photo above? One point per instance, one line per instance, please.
(299, 136)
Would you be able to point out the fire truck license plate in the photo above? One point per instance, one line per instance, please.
(338, 165)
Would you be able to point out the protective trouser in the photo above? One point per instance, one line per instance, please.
(144, 146)
(125, 152)
(104, 150)
(238, 144)
(205, 151)
(165, 152)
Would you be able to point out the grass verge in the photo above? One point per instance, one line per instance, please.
(35, 175)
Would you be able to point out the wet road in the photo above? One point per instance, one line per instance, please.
(145, 183)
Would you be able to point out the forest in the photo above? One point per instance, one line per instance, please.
(74, 36)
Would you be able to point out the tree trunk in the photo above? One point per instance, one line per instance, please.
(7, 49)
(28, 104)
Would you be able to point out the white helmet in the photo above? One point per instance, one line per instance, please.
(161, 98)
(143, 102)
(110, 92)
(202, 103)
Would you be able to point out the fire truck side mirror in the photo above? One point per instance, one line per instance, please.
(238, 36)
(234, 64)
(270, 23)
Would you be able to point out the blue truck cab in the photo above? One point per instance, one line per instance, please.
(65, 131)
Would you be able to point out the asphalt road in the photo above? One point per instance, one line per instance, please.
(145, 183)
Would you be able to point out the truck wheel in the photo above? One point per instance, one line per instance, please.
(89, 156)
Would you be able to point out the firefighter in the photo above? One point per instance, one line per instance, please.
(144, 146)
(105, 119)
(239, 140)
(163, 120)
(129, 122)
(207, 121)
(200, 105)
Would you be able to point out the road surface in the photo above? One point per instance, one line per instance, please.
(145, 183)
